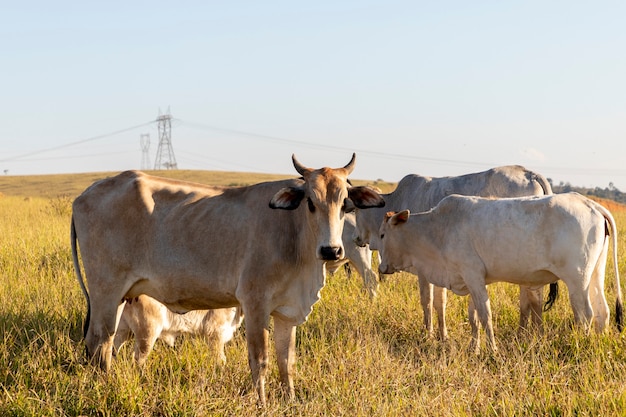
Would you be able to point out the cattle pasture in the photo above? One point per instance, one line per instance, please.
(355, 357)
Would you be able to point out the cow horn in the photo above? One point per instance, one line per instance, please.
(350, 165)
(302, 170)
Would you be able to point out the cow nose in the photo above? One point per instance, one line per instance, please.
(331, 253)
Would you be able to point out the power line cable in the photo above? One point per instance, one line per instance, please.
(257, 135)
(337, 148)
(67, 145)
(376, 154)
(81, 156)
(561, 170)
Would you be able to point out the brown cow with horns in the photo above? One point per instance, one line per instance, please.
(171, 240)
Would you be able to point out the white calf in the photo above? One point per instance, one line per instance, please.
(149, 320)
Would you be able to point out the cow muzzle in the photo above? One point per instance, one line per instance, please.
(331, 253)
(385, 269)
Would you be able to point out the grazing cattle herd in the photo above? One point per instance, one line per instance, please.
(418, 193)
(163, 257)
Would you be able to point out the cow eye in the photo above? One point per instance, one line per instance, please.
(382, 236)
(311, 206)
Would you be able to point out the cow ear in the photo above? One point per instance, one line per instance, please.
(348, 206)
(288, 198)
(365, 197)
(400, 218)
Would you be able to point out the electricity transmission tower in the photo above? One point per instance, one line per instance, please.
(144, 140)
(165, 158)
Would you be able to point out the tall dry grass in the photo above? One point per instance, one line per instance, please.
(355, 357)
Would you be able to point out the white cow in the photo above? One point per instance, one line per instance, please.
(360, 257)
(465, 243)
(148, 320)
(419, 193)
(256, 247)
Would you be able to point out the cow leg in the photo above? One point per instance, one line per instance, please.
(143, 317)
(99, 339)
(365, 269)
(440, 301)
(536, 308)
(599, 305)
(370, 280)
(581, 306)
(257, 336)
(530, 307)
(285, 342)
(228, 335)
(122, 335)
(168, 338)
(226, 321)
(361, 259)
(376, 254)
(579, 297)
(426, 299)
(474, 325)
(145, 338)
(480, 297)
(219, 345)
(218, 336)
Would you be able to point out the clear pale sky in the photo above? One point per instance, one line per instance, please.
(434, 88)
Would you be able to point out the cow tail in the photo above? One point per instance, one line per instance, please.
(542, 181)
(552, 296)
(79, 275)
(619, 308)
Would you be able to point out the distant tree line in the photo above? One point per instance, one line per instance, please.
(611, 192)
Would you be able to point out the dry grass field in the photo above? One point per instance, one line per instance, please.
(356, 357)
